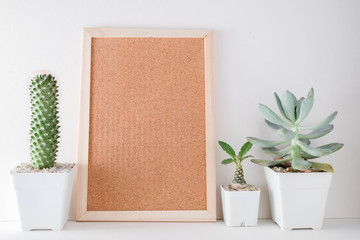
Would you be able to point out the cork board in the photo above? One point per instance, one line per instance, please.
(148, 146)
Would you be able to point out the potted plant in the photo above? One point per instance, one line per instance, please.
(43, 187)
(298, 185)
(240, 200)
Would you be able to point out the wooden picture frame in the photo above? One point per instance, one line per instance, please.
(208, 211)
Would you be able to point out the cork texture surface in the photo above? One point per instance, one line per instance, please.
(147, 141)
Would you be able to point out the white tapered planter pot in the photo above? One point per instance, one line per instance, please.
(298, 200)
(43, 198)
(240, 208)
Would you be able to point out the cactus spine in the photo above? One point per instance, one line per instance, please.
(44, 132)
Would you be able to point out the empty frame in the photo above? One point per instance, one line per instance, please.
(147, 133)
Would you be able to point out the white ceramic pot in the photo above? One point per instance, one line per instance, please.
(240, 208)
(43, 199)
(298, 200)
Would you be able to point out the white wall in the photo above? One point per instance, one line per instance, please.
(261, 47)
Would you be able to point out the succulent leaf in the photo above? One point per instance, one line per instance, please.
(298, 106)
(286, 134)
(298, 162)
(245, 149)
(306, 141)
(322, 150)
(227, 161)
(306, 106)
(227, 148)
(269, 115)
(276, 153)
(289, 103)
(269, 163)
(281, 109)
(317, 133)
(273, 125)
(322, 166)
(264, 143)
(305, 155)
(321, 124)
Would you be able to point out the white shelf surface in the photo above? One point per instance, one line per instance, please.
(336, 229)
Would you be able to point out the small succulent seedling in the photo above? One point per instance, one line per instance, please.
(237, 159)
(44, 133)
(297, 145)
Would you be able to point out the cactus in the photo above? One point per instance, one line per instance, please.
(297, 145)
(44, 133)
(239, 178)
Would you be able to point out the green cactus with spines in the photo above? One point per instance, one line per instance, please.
(44, 132)
(297, 149)
(237, 160)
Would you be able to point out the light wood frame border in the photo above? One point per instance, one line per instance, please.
(82, 214)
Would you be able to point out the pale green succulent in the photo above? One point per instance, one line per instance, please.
(297, 145)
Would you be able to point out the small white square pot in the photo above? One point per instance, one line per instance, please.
(298, 200)
(43, 199)
(240, 208)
